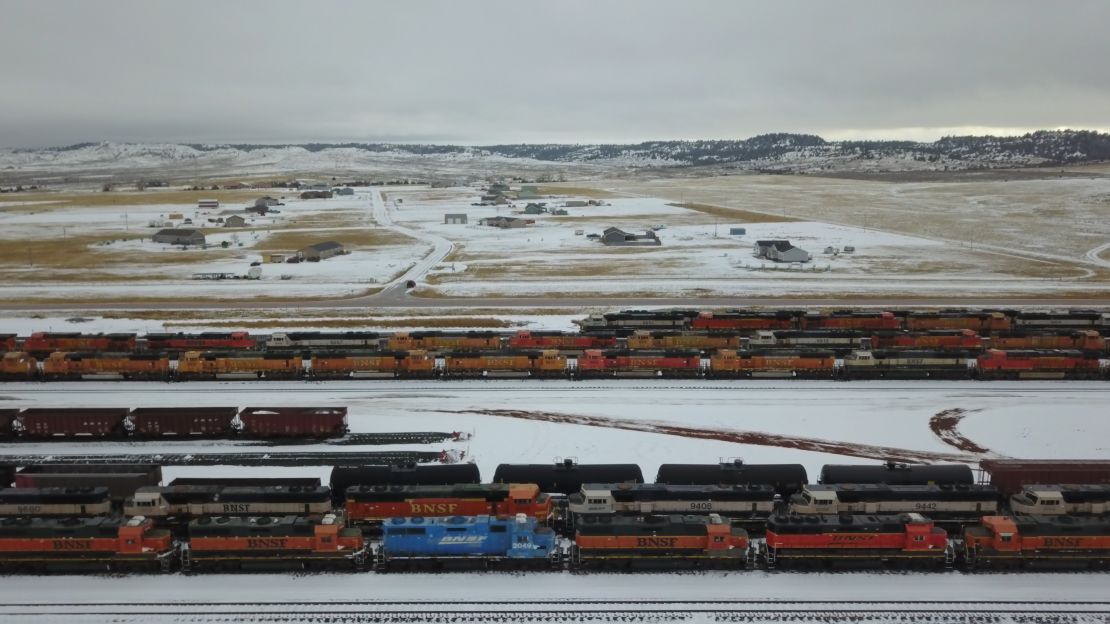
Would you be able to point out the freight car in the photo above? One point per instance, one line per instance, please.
(659, 541)
(373, 504)
(813, 364)
(671, 364)
(892, 473)
(204, 341)
(121, 479)
(886, 364)
(566, 341)
(378, 364)
(639, 319)
(42, 343)
(664, 340)
(466, 542)
(744, 321)
(127, 366)
(936, 339)
(294, 422)
(354, 341)
(848, 319)
(18, 366)
(443, 341)
(1038, 541)
(949, 503)
(55, 501)
(786, 479)
(1021, 340)
(286, 542)
(1058, 500)
(984, 323)
(478, 364)
(1071, 319)
(906, 540)
(1010, 476)
(566, 477)
(180, 422)
(345, 477)
(195, 365)
(739, 502)
(84, 422)
(182, 503)
(995, 364)
(94, 544)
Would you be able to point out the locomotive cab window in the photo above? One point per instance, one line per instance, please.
(1007, 537)
(919, 538)
(497, 528)
(521, 501)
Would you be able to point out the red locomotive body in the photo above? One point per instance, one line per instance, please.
(371, 504)
(8, 342)
(233, 543)
(595, 363)
(294, 422)
(965, 339)
(743, 320)
(202, 341)
(1059, 541)
(866, 321)
(98, 542)
(851, 539)
(996, 364)
(982, 322)
(561, 340)
(47, 342)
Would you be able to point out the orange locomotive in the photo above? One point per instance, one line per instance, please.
(652, 541)
(373, 504)
(18, 366)
(440, 341)
(597, 363)
(414, 364)
(61, 365)
(235, 543)
(819, 540)
(1088, 340)
(505, 364)
(681, 340)
(744, 320)
(48, 342)
(812, 364)
(1055, 541)
(197, 365)
(101, 543)
(994, 364)
(847, 319)
(965, 339)
(982, 322)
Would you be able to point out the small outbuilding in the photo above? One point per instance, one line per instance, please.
(174, 236)
(322, 251)
(535, 209)
(575, 203)
(506, 223)
(266, 202)
(208, 203)
(235, 221)
(454, 219)
(737, 231)
(344, 190)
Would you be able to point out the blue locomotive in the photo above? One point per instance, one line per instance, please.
(465, 541)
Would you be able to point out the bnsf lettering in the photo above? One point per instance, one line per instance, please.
(462, 539)
(236, 507)
(266, 542)
(72, 544)
(852, 538)
(434, 508)
(656, 542)
(1063, 542)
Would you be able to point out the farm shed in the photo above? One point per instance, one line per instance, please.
(208, 203)
(506, 222)
(266, 202)
(737, 231)
(322, 251)
(454, 219)
(616, 237)
(234, 221)
(575, 203)
(179, 237)
(344, 190)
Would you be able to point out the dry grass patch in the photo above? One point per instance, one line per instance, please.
(400, 323)
(733, 214)
(186, 298)
(350, 237)
(127, 198)
(73, 252)
(579, 191)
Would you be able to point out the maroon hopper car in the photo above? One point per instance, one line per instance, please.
(1010, 475)
(294, 422)
(158, 422)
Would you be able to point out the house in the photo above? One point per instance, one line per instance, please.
(208, 203)
(322, 251)
(235, 221)
(735, 231)
(325, 194)
(783, 251)
(534, 209)
(616, 237)
(558, 212)
(344, 190)
(173, 236)
(575, 203)
(276, 258)
(763, 247)
(506, 222)
(266, 202)
(454, 219)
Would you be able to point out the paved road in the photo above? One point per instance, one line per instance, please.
(395, 290)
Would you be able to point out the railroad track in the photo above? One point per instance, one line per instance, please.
(366, 439)
(464, 612)
(308, 458)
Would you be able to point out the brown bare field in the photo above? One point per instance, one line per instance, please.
(401, 323)
(127, 198)
(351, 237)
(185, 296)
(733, 214)
(558, 188)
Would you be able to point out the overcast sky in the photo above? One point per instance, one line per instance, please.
(553, 71)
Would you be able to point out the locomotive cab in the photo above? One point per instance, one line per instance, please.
(1038, 500)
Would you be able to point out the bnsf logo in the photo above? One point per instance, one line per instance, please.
(72, 545)
(656, 542)
(852, 538)
(1063, 542)
(236, 507)
(434, 508)
(462, 539)
(266, 542)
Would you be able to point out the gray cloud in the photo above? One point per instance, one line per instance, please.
(520, 71)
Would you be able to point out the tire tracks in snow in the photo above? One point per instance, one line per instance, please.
(945, 425)
(758, 438)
